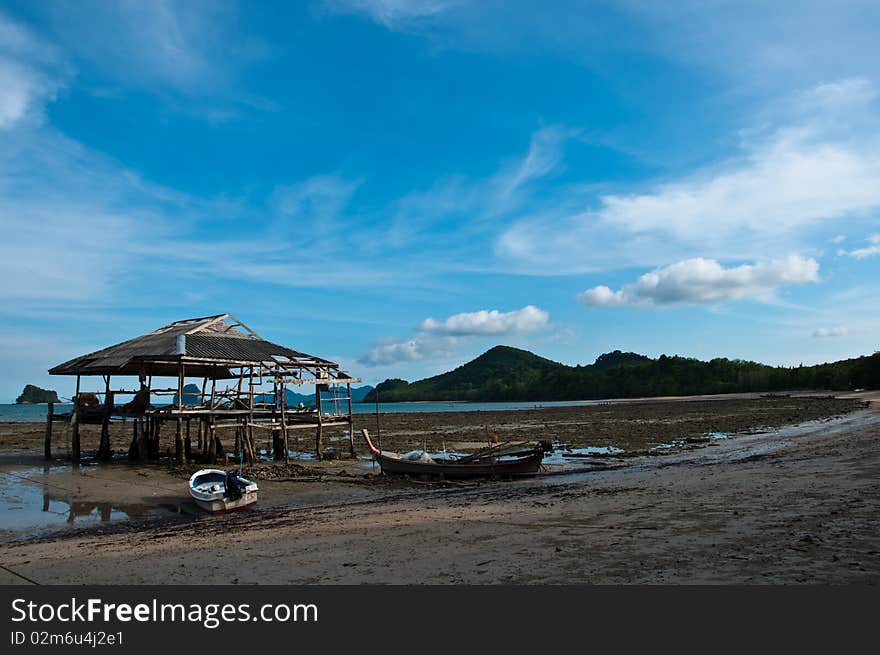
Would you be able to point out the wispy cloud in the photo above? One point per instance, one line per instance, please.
(192, 47)
(30, 75)
(764, 45)
(477, 206)
(788, 180)
(435, 339)
(400, 15)
(705, 281)
(824, 332)
(389, 351)
(873, 248)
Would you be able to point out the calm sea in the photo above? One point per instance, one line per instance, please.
(37, 413)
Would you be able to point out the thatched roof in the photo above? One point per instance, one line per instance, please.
(212, 344)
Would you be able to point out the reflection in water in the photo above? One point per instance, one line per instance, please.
(31, 504)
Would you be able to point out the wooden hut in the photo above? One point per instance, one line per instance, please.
(244, 383)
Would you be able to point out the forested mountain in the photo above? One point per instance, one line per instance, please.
(505, 373)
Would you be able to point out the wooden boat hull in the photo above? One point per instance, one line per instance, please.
(498, 469)
(207, 488)
(492, 463)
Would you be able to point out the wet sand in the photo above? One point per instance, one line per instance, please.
(796, 504)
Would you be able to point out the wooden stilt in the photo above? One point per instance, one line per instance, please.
(179, 455)
(187, 444)
(142, 439)
(319, 433)
(284, 441)
(74, 425)
(249, 430)
(104, 452)
(133, 448)
(47, 446)
(157, 436)
(351, 452)
(212, 442)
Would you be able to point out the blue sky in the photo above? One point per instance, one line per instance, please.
(400, 185)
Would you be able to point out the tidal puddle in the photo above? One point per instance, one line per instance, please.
(32, 502)
(572, 455)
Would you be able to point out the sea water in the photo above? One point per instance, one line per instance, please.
(37, 413)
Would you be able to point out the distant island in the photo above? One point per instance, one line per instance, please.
(192, 395)
(33, 395)
(511, 374)
(292, 398)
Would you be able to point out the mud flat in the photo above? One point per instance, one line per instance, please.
(628, 425)
(792, 496)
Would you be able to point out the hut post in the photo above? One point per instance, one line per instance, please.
(350, 423)
(249, 433)
(212, 440)
(319, 433)
(47, 446)
(179, 454)
(134, 446)
(143, 440)
(187, 443)
(104, 453)
(74, 425)
(157, 437)
(284, 440)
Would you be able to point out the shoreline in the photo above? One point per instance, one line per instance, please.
(797, 504)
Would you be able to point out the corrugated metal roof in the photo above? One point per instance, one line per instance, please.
(221, 337)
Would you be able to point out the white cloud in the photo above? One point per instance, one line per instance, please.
(705, 281)
(812, 172)
(193, 48)
(490, 322)
(786, 185)
(765, 44)
(435, 339)
(399, 15)
(418, 348)
(475, 206)
(839, 331)
(867, 251)
(26, 83)
(20, 92)
(321, 196)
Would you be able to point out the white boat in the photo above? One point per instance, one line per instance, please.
(218, 491)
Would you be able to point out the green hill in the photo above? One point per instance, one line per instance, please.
(498, 372)
(510, 374)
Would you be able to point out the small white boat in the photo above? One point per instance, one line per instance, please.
(218, 491)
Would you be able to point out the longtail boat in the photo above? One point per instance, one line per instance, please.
(501, 460)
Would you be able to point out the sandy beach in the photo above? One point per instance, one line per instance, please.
(787, 493)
